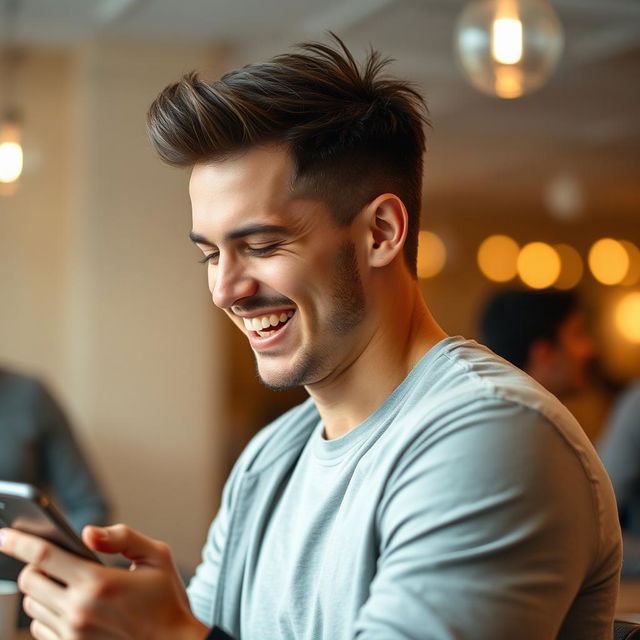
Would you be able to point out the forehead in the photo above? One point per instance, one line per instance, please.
(254, 185)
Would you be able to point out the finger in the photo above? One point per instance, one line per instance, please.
(41, 613)
(36, 585)
(48, 557)
(130, 543)
(40, 631)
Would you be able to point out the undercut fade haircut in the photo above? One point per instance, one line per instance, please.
(353, 132)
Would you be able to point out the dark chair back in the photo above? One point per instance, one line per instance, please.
(623, 630)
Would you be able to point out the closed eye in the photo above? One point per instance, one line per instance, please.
(260, 251)
(252, 251)
(209, 257)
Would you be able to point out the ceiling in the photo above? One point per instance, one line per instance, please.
(582, 127)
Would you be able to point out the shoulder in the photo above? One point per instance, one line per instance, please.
(491, 455)
(480, 422)
(468, 386)
(17, 379)
(20, 389)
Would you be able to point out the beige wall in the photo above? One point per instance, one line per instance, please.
(101, 290)
(34, 223)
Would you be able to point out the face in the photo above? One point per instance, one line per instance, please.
(279, 267)
(571, 354)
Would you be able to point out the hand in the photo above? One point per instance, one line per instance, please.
(69, 597)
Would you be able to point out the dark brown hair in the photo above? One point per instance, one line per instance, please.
(353, 132)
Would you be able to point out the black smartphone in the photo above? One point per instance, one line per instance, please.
(26, 508)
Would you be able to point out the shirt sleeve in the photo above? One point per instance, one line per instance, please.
(203, 586)
(486, 528)
(64, 468)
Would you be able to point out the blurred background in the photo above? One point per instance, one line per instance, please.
(101, 293)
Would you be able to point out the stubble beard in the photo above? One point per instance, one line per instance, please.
(348, 311)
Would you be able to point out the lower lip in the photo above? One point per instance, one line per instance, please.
(258, 343)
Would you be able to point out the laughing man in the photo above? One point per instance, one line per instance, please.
(426, 489)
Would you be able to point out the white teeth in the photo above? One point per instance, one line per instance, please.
(259, 324)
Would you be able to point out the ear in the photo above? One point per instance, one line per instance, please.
(387, 222)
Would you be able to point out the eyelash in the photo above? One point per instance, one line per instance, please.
(256, 251)
(208, 258)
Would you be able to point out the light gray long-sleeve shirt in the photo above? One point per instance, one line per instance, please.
(469, 505)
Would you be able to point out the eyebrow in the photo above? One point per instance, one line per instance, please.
(242, 232)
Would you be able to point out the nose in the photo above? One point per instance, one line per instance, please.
(230, 281)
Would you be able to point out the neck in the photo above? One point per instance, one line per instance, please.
(401, 331)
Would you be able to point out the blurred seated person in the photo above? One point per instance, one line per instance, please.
(544, 334)
(619, 449)
(37, 446)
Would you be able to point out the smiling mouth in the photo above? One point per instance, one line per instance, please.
(268, 324)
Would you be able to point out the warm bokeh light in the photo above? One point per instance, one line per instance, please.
(508, 82)
(571, 268)
(498, 257)
(508, 47)
(10, 161)
(538, 265)
(608, 261)
(506, 40)
(432, 254)
(627, 316)
(633, 272)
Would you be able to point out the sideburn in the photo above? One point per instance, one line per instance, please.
(347, 290)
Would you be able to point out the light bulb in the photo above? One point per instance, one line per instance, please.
(508, 47)
(506, 40)
(10, 152)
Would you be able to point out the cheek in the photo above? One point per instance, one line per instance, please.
(294, 279)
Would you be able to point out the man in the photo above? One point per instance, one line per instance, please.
(543, 333)
(425, 489)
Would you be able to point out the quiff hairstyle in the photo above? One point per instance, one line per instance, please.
(353, 132)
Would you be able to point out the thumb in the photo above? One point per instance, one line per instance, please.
(120, 538)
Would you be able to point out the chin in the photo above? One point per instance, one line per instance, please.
(289, 375)
(276, 378)
(279, 382)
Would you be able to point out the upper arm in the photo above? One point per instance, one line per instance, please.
(485, 532)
